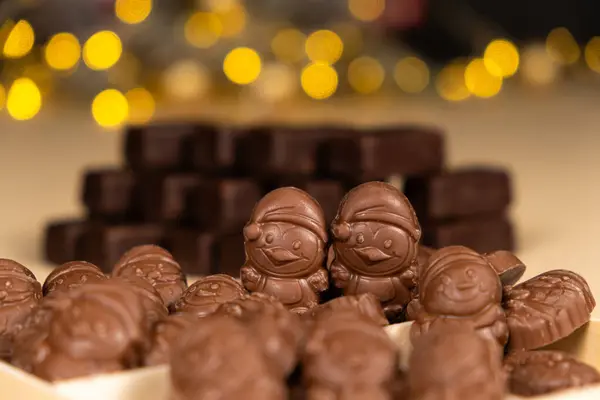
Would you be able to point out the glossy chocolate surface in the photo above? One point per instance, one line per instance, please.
(72, 275)
(164, 335)
(205, 295)
(367, 304)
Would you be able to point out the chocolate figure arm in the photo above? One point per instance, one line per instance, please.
(319, 281)
(250, 278)
(340, 274)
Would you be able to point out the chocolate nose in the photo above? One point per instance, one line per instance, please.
(341, 231)
(252, 232)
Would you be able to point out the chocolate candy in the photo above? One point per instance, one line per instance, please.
(20, 293)
(157, 266)
(509, 268)
(166, 333)
(460, 287)
(366, 304)
(204, 296)
(375, 245)
(110, 194)
(72, 275)
(483, 234)
(223, 205)
(376, 154)
(455, 363)
(163, 197)
(220, 357)
(347, 356)
(547, 308)
(285, 249)
(531, 373)
(461, 193)
(103, 245)
(213, 149)
(61, 239)
(151, 301)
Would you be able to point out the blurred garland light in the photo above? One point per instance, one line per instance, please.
(365, 75)
(366, 10)
(102, 50)
(324, 46)
(24, 99)
(242, 65)
(219, 5)
(62, 51)
(592, 54)
(233, 19)
(288, 45)
(277, 82)
(538, 66)
(501, 58)
(450, 82)
(185, 80)
(133, 11)
(141, 105)
(2, 96)
(562, 47)
(411, 75)
(110, 108)
(203, 29)
(20, 40)
(319, 80)
(480, 81)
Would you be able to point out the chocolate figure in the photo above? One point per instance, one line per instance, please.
(71, 275)
(285, 249)
(375, 245)
(457, 287)
(205, 295)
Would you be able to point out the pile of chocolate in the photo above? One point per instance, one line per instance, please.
(190, 187)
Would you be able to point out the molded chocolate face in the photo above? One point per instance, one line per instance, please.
(208, 293)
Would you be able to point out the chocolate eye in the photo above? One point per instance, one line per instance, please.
(269, 238)
(360, 238)
(470, 273)
(296, 245)
(445, 279)
(387, 244)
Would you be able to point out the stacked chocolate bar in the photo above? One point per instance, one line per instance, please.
(190, 187)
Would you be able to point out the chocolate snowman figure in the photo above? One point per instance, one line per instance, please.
(285, 249)
(459, 286)
(375, 245)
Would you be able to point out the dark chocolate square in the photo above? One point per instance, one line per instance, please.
(61, 240)
(213, 149)
(163, 197)
(110, 194)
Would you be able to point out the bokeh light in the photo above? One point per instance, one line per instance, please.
(288, 45)
(319, 80)
(102, 50)
(133, 11)
(277, 82)
(219, 5)
(141, 105)
(592, 54)
(203, 29)
(450, 82)
(242, 65)
(185, 80)
(324, 46)
(24, 99)
(501, 58)
(538, 67)
(411, 75)
(20, 40)
(62, 51)
(480, 81)
(366, 10)
(110, 108)
(233, 19)
(365, 75)
(562, 47)
(2, 96)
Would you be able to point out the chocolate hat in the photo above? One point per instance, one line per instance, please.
(291, 205)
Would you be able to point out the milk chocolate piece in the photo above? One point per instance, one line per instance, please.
(158, 146)
(208, 293)
(61, 239)
(165, 334)
(72, 275)
(376, 154)
(509, 268)
(155, 265)
(163, 197)
(110, 195)
(220, 357)
(459, 287)
(213, 149)
(367, 304)
(482, 234)
(348, 356)
(460, 193)
(285, 249)
(455, 363)
(547, 308)
(532, 373)
(152, 303)
(102, 245)
(375, 245)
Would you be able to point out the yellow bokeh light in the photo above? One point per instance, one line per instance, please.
(288, 45)
(592, 54)
(501, 58)
(185, 80)
(324, 46)
(538, 67)
(411, 75)
(2, 96)
(102, 50)
(203, 29)
(242, 65)
(141, 105)
(24, 99)
(62, 51)
(20, 40)
(450, 82)
(133, 11)
(319, 80)
(276, 82)
(233, 20)
(365, 75)
(562, 47)
(219, 5)
(366, 10)
(479, 81)
(110, 108)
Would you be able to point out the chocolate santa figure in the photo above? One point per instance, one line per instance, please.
(285, 249)
(459, 286)
(375, 245)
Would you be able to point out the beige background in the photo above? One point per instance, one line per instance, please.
(550, 140)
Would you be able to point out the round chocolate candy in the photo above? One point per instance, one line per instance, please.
(366, 304)
(509, 268)
(166, 333)
(71, 275)
(205, 295)
(151, 300)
